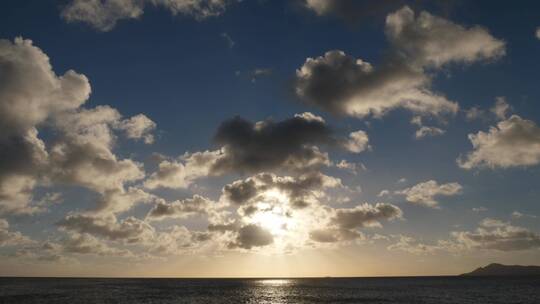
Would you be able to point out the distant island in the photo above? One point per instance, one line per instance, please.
(505, 270)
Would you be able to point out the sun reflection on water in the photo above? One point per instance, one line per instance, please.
(274, 282)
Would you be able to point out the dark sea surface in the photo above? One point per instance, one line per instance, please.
(328, 290)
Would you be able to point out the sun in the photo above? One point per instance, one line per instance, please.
(272, 221)
(272, 213)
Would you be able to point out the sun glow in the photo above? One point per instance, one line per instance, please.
(272, 215)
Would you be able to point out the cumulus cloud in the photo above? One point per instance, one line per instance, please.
(344, 222)
(425, 193)
(411, 245)
(251, 147)
(129, 230)
(103, 15)
(139, 127)
(197, 205)
(342, 84)
(514, 142)
(497, 235)
(87, 244)
(11, 238)
(353, 168)
(538, 33)
(79, 151)
(182, 172)
(266, 145)
(358, 142)
(30, 91)
(365, 215)
(298, 192)
(250, 236)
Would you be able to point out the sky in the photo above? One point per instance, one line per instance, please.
(228, 138)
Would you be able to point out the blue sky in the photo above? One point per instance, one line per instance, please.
(184, 74)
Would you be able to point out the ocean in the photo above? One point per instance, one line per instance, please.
(440, 290)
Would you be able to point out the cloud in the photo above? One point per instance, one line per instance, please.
(11, 238)
(384, 192)
(297, 192)
(251, 147)
(518, 215)
(497, 235)
(537, 33)
(425, 131)
(358, 142)
(434, 41)
(130, 230)
(139, 127)
(479, 209)
(250, 236)
(353, 168)
(344, 85)
(514, 142)
(424, 193)
(260, 72)
(227, 38)
(344, 222)
(365, 215)
(30, 91)
(87, 244)
(267, 145)
(352, 11)
(197, 205)
(411, 245)
(79, 147)
(103, 15)
(498, 111)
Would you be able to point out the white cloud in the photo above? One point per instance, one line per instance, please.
(514, 142)
(79, 150)
(424, 193)
(11, 238)
(104, 14)
(425, 131)
(342, 84)
(353, 168)
(501, 108)
(497, 235)
(139, 127)
(358, 142)
(30, 91)
(433, 41)
(197, 205)
(538, 32)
